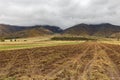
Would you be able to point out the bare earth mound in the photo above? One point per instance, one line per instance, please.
(86, 61)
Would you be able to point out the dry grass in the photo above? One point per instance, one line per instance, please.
(33, 42)
(111, 42)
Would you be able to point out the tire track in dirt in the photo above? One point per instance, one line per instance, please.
(87, 67)
(66, 65)
(96, 68)
(74, 66)
(115, 76)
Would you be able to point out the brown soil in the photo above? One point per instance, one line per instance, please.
(86, 61)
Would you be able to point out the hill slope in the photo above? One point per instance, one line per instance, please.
(103, 30)
(9, 31)
(33, 32)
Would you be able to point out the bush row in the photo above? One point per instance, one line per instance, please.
(72, 38)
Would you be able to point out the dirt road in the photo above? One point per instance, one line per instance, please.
(85, 61)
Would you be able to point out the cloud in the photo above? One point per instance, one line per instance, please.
(63, 13)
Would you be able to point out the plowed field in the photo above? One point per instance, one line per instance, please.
(85, 61)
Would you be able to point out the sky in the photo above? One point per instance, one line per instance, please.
(62, 13)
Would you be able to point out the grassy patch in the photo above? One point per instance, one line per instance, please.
(12, 46)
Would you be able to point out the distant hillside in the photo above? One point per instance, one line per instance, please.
(102, 30)
(54, 29)
(33, 32)
(9, 31)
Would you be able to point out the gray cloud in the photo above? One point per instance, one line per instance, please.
(63, 13)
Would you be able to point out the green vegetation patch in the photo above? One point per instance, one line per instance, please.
(73, 38)
(12, 46)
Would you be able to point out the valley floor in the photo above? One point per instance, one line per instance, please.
(85, 61)
(32, 44)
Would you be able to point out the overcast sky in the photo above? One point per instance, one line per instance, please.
(62, 13)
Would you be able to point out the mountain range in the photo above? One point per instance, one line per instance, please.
(102, 30)
(11, 31)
